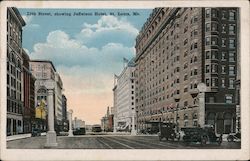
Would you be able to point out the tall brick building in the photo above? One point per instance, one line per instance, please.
(28, 95)
(177, 49)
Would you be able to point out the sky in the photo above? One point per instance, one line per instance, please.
(87, 50)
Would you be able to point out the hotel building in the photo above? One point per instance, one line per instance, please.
(178, 48)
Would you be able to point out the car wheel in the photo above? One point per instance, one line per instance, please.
(230, 139)
(204, 140)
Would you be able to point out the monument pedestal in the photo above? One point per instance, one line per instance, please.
(51, 139)
(70, 133)
(133, 132)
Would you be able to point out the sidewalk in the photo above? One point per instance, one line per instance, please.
(20, 136)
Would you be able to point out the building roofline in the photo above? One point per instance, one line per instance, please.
(44, 61)
(18, 15)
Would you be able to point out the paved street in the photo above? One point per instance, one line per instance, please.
(113, 142)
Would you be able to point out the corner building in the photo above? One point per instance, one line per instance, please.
(178, 48)
(14, 72)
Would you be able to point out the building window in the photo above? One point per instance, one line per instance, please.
(232, 15)
(207, 27)
(214, 68)
(214, 27)
(223, 42)
(185, 29)
(207, 54)
(185, 41)
(231, 83)
(208, 82)
(223, 15)
(195, 123)
(223, 56)
(214, 13)
(207, 40)
(232, 56)
(211, 99)
(185, 89)
(223, 69)
(185, 77)
(232, 29)
(194, 33)
(207, 13)
(207, 69)
(214, 82)
(195, 71)
(229, 98)
(231, 70)
(214, 54)
(223, 82)
(185, 65)
(214, 41)
(186, 103)
(223, 28)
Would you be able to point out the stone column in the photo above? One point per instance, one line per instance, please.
(201, 109)
(70, 133)
(51, 134)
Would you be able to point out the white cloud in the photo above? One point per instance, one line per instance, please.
(63, 50)
(105, 29)
(107, 23)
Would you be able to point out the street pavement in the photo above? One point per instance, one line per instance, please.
(113, 142)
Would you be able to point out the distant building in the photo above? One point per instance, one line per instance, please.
(124, 98)
(58, 103)
(107, 123)
(44, 71)
(14, 60)
(177, 49)
(78, 123)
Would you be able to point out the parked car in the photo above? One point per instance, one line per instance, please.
(167, 130)
(202, 135)
(234, 137)
(36, 132)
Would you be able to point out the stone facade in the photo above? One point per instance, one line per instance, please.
(177, 49)
(44, 72)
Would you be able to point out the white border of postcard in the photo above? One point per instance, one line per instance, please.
(167, 154)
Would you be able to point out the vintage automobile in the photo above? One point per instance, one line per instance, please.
(167, 131)
(234, 137)
(36, 132)
(203, 135)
